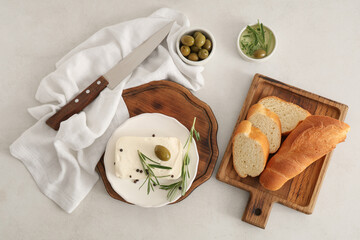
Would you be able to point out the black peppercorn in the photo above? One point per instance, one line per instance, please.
(121, 149)
(153, 135)
(130, 176)
(137, 170)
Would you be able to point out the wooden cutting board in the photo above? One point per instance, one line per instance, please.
(174, 100)
(299, 193)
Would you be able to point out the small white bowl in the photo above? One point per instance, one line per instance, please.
(190, 31)
(247, 58)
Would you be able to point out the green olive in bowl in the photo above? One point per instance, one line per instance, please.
(196, 33)
(200, 40)
(187, 40)
(193, 57)
(203, 53)
(195, 49)
(260, 53)
(185, 50)
(207, 45)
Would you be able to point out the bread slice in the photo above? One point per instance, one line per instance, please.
(250, 149)
(268, 123)
(290, 114)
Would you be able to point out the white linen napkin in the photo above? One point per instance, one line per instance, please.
(63, 162)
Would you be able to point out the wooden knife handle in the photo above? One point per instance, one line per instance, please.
(78, 103)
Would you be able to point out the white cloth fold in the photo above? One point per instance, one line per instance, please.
(63, 163)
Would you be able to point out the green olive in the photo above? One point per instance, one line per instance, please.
(187, 40)
(195, 49)
(193, 57)
(260, 53)
(162, 153)
(203, 53)
(207, 45)
(196, 33)
(185, 50)
(200, 40)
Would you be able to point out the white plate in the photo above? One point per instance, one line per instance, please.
(145, 125)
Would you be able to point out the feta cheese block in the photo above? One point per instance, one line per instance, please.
(127, 161)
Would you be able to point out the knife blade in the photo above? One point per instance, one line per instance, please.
(110, 79)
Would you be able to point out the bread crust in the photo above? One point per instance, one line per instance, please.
(309, 141)
(254, 133)
(259, 108)
(290, 103)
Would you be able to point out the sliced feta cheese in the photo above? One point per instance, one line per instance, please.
(127, 161)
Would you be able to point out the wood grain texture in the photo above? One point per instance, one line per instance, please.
(174, 100)
(78, 103)
(301, 192)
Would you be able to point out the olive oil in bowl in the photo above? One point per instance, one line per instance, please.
(256, 42)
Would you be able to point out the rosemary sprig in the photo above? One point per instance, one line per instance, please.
(258, 40)
(151, 178)
(182, 184)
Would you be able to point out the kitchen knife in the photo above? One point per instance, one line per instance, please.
(110, 79)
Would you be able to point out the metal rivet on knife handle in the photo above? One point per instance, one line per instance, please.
(78, 103)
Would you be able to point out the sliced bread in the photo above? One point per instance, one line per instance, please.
(250, 149)
(289, 114)
(268, 123)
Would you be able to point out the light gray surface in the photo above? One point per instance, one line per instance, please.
(319, 51)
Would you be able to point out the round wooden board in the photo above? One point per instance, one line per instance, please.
(174, 100)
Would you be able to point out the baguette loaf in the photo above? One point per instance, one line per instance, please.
(289, 113)
(268, 123)
(250, 150)
(310, 140)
